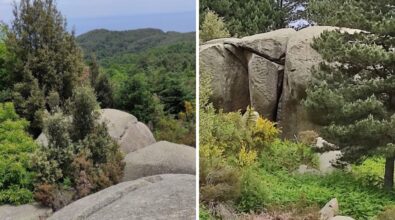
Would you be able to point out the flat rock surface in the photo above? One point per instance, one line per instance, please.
(24, 212)
(169, 196)
(160, 158)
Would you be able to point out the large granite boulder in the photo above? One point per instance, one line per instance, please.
(160, 158)
(300, 59)
(268, 71)
(123, 127)
(170, 196)
(24, 212)
(271, 45)
(229, 76)
(264, 84)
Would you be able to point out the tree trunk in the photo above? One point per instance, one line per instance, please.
(389, 173)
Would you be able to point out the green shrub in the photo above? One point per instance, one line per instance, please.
(254, 192)
(16, 147)
(218, 183)
(287, 155)
(81, 158)
(370, 172)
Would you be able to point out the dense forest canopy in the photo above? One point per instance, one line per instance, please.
(151, 73)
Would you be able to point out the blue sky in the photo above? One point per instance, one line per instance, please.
(86, 15)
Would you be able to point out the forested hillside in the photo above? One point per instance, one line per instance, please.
(155, 69)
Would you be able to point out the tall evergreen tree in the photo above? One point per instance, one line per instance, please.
(352, 93)
(45, 56)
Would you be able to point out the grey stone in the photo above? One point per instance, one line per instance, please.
(160, 158)
(229, 76)
(170, 196)
(24, 212)
(341, 218)
(330, 210)
(263, 84)
(271, 45)
(300, 59)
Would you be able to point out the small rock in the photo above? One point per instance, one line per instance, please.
(330, 210)
(304, 169)
(341, 218)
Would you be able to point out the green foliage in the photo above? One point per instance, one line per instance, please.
(130, 62)
(245, 17)
(213, 27)
(357, 91)
(80, 157)
(374, 16)
(287, 156)
(4, 76)
(83, 106)
(137, 97)
(107, 44)
(218, 182)
(254, 193)
(101, 83)
(43, 58)
(370, 172)
(16, 146)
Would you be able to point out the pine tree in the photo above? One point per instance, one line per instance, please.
(246, 17)
(137, 98)
(43, 52)
(352, 92)
(213, 27)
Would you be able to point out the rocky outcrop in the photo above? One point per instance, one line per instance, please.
(123, 127)
(127, 130)
(159, 158)
(229, 76)
(24, 212)
(170, 196)
(277, 68)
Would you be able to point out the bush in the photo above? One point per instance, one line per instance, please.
(218, 182)
(370, 172)
(287, 155)
(16, 147)
(254, 192)
(81, 158)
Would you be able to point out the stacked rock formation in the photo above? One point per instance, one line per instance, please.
(268, 71)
